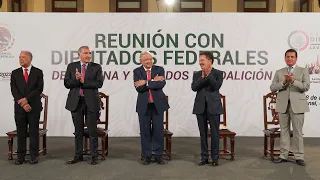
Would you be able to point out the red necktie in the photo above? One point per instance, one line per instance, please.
(149, 78)
(26, 76)
(83, 71)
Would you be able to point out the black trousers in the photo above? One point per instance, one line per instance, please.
(91, 118)
(23, 120)
(151, 132)
(214, 121)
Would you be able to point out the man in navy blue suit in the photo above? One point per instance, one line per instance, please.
(151, 104)
(207, 105)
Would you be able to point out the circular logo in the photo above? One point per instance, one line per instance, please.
(6, 39)
(298, 40)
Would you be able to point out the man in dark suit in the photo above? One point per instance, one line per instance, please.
(208, 106)
(151, 104)
(26, 88)
(84, 78)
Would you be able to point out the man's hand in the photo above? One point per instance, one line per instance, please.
(208, 70)
(78, 75)
(140, 83)
(291, 78)
(82, 79)
(27, 107)
(158, 78)
(22, 101)
(203, 74)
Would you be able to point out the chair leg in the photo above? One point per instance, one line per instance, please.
(44, 144)
(39, 150)
(169, 147)
(272, 147)
(166, 147)
(224, 144)
(232, 141)
(10, 144)
(265, 145)
(107, 145)
(85, 145)
(103, 147)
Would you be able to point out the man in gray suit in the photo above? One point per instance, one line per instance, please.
(291, 83)
(208, 106)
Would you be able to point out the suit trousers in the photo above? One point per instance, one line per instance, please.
(22, 122)
(214, 121)
(297, 124)
(91, 119)
(151, 132)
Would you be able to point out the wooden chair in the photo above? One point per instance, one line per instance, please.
(225, 133)
(271, 133)
(102, 131)
(42, 132)
(167, 135)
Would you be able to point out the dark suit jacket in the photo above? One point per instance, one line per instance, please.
(207, 91)
(159, 97)
(31, 90)
(92, 81)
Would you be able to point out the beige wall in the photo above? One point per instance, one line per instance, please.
(4, 7)
(36, 6)
(222, 6)
(96, 5)
(315, 6)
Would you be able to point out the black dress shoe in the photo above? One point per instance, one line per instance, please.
(94, 160)
(280, 160)
(146, 161)
(159, 161)
(215, 162)
(19, 161)
(300, 162)
(203, 162)
(75, 160)
(35, 161)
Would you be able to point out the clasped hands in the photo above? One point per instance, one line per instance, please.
(79, 76)
(206, 71)
(288, 78)
(24, 104)
(143, 82)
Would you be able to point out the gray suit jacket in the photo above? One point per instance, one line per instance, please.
(294, 92)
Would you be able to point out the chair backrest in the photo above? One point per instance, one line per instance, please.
(224, 110)
(223, 120)
(166, 118)
(269, 108)
(104, 106)
(44, 100)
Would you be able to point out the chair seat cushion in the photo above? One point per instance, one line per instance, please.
(224, 132)
(167, 132)
(14, 133)
(274, 131)
(101, 132)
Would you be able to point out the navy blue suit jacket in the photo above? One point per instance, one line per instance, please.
(159, 97)
(207, 92)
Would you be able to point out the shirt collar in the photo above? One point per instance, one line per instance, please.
(29, 68)
(145, 69)
(291, 66)
(81, 63)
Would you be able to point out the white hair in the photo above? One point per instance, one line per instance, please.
(144, 53)
(28, 53)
